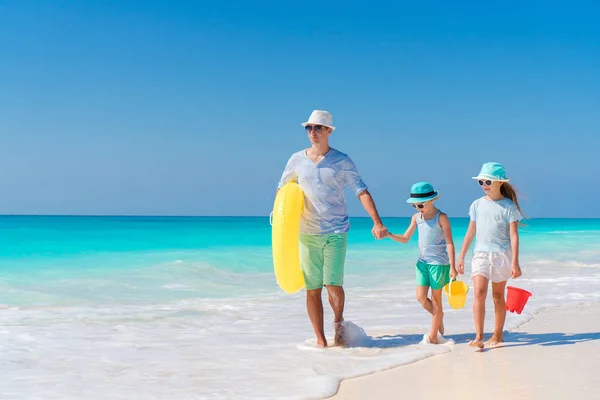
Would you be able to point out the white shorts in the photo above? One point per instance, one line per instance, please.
(495, 266)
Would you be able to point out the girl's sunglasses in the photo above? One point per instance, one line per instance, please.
(487, 182)
(316, 128)
(419, 206)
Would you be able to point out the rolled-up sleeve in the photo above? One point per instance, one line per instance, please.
(353, 178)
(289, 173)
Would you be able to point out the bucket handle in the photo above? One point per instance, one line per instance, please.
(527, 279)
(271, 218)
(450, 287)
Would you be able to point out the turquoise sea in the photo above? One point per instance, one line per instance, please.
(188, 307)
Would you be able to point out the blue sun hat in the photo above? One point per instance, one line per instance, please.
(493, 171)
(421, 192)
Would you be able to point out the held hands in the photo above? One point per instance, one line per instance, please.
(379, 231)
(516, 270)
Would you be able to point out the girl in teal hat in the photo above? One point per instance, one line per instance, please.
(495, 224)
(435, 265)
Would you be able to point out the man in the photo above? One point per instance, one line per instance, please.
(323, 173)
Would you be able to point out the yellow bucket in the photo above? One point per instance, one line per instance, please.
(457, 294)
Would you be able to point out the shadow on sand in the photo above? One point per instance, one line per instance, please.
(511, 339)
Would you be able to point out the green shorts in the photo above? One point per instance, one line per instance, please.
(322, 259)
(436, 276)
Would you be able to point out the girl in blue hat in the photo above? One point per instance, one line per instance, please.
(494, 223)
(435, 265)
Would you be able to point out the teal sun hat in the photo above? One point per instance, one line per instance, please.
(421, 192)
(493, 171)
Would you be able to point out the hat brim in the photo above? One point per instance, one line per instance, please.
(414, 200)
(314, 123)
(491, 179)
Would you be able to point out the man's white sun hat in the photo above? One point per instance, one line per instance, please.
(320, 117)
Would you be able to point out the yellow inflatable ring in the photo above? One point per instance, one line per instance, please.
(288, 206)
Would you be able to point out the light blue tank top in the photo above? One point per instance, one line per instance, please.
(432, 244)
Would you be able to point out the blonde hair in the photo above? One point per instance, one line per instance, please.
(508, 191)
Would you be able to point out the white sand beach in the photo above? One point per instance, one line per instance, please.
(555, 355)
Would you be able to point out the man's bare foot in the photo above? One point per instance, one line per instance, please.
(321, 343)
(477, 343)
(338, 338)
(494, 341)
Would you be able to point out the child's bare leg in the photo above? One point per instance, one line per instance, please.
(436, 320)
(499, 313)
(422, 298)
(480, 283)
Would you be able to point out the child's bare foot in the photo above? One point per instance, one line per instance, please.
(433, 338)
(338, 338)
(494, 341)
(477, 343)
(321, 343)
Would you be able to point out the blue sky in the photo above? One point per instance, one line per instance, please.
(193, 108)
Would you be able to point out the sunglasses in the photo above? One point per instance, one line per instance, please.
(316, 128)
(486, 182)
(419, 206)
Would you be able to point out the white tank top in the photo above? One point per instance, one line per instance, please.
(432, 244)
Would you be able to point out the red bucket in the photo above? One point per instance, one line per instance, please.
(516, 299)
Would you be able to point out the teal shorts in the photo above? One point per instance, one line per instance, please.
(322, 259)
(436, 276)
